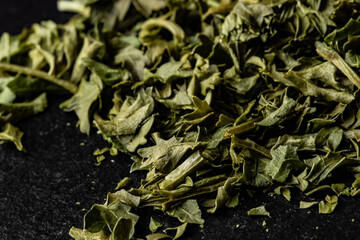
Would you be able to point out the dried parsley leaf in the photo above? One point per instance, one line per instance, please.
(14, 112)
(188, 211)
(82, 101)
(284, 158)
(180, 230)
(11, 133)
(123, 183)
(328, 206)
(154, 225)
(156, 236)
(258, 211)
(132, 113)
(305, 205)
(82, 234)
(115, 215)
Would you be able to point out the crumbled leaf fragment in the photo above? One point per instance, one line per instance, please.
(82, 101)
(157, 236)
(258, 211)
(180, 230)
(283, 191)
(305, 205)
(98, 151)
(188, 211)
(80, 234)
(329, 205)
(11, 133)
(123, 183)
(154, 225)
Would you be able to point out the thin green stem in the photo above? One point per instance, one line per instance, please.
(39, 74)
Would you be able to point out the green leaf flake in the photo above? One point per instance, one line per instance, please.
(284, 158)
(132, 113)
(351, 28)
(99, 159)
(11, 133)
(324, 165)
(9, 45)
(339, 188)
(332, 56)
(110, 215)
(79, 234)
(305, 205)
(154, 225)
(223, 195)
(123, 229)
(125, 197)
(180, 230)
(330, 138)
(171, 71)
(274, 117)
(108, 75)
(123, 183)
(6, 94)
(328, 206)
(19, 111)
(82, 101)
(100, 151)
(283, 191)
(166, 154)
(175, 177)
(151, 27)
(134, 60)
(258, 211)
(308, 88)
(88, 50)
(27, 87)
(157, 236)
(188, 211)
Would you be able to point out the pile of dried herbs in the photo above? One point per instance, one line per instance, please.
(210, 97)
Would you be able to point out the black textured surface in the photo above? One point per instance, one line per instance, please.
(39, 190)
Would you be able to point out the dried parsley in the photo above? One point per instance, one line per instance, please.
(211, 98)
(258, 211)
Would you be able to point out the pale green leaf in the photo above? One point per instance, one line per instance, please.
(258, 211)
(11, 133)
(154, 225)
(83, 100)
(188, 211)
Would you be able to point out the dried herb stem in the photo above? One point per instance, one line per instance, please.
(242, 128)
(332, 56)
(39, 74)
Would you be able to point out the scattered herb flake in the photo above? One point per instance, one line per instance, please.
(305, 205)
(258, 211)
(123, 183)
(154, 225)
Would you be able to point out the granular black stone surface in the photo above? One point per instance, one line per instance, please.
(48, 189)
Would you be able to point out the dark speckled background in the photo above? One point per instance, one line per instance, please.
(39, 189)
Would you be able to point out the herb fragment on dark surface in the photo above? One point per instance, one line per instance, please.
(258, 211)
(250, 95)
